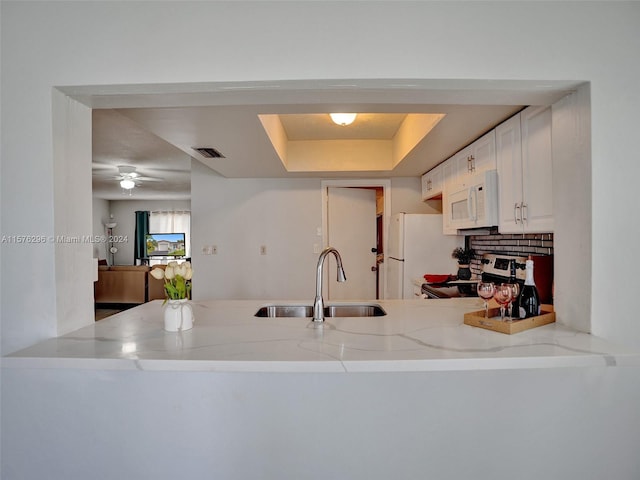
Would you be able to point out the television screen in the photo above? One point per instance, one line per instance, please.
(165, 245)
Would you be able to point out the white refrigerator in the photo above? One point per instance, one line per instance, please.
(416, 246)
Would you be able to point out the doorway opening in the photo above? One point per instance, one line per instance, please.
(355, 216)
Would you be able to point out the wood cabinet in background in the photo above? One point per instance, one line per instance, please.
(524, 162)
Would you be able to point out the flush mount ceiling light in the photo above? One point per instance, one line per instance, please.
(127, 184)
(343, 118)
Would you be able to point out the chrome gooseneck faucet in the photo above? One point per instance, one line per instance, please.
(318, 304)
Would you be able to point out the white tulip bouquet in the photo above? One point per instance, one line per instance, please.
(177, 279)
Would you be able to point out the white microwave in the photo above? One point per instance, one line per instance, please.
(472, 203)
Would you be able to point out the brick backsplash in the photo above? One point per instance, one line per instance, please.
(516, 244)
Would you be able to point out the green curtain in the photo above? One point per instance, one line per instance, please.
(142, 229)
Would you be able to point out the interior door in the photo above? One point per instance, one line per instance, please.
(351, 229)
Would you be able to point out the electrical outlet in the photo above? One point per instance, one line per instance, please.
(316, 248)
(206, 250)
(214, 249)
(263, 249)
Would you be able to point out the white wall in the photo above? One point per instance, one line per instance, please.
(556, 424)
(73, 261)
(572, 205)
(407, 197)
(416, 42)
(100, 215)
(240, 215)
(383, 40)
(45, 44)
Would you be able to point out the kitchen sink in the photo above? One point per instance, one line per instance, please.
(355, 310)
(285, 311)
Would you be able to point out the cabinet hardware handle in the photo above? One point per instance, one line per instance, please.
(473, 165)
(525, 212)
(516, 207)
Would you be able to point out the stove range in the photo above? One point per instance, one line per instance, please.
(495, 268)
(451, 289)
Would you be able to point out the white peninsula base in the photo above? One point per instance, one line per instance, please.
(147, 414)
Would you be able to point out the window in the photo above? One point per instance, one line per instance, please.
(170, 222)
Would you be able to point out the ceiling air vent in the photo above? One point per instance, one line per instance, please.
(208, 152)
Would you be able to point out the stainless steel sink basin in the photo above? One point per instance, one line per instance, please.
(285, 311)
(355, 310)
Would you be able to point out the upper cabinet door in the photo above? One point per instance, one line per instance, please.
(509, 164)
(483, 154)
(478, 157)
(455, 168)
(523, 152)
(537, 170)
(432, 183)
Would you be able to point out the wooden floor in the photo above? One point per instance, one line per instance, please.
(105, 311)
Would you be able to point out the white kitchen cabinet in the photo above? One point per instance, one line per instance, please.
(432, 183)
(454, 169)
(509, 160)
(483, 154)
(524, 162)
(477, 157)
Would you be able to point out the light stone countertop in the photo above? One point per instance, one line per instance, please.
(415, 335)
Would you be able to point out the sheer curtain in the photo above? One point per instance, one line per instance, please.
(172, 222)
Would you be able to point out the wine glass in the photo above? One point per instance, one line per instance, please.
(503, 297)
(515, 291)
(485, 291)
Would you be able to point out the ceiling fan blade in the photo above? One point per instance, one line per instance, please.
(149, 179)
(101, 166)
(129, 170)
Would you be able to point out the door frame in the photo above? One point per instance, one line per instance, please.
(385, 184)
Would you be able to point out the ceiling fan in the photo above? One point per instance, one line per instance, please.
(129, 178)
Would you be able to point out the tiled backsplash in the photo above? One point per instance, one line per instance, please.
(517, 244)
